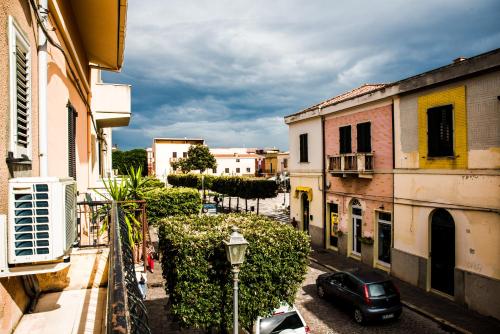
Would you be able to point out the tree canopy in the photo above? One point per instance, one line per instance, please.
(198, 158)
(125, 160)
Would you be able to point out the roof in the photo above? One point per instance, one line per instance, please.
(235, 156)
(180, 140)
(361, 90)
(367, 276)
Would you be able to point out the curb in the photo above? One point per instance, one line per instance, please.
(410, 306)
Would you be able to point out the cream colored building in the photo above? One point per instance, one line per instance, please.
(168, 150)
(305, 166)
(447, 182)
(233, 161)
(56, 115)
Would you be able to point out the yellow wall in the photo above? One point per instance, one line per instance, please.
(455, 97)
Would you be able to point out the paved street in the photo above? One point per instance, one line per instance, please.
(324, 317)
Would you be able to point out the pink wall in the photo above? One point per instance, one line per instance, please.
(374, 192)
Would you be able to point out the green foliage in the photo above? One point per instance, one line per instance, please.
(198, 276)
(124, 160)
(190, 180)
(234, 186)
(165, 202)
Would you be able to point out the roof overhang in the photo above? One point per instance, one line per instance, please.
(102, 25)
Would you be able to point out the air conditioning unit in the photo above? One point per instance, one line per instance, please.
(41, 219)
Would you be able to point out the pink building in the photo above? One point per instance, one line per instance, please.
(359, 180)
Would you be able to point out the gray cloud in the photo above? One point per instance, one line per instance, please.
(230, 70)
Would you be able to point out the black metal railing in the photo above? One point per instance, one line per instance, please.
(126, 312)
(92, 221)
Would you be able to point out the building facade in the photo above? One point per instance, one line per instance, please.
(305, 167)
(233, 161)
(447, 182)
(49, 125)
(168, 150)
(359, 193)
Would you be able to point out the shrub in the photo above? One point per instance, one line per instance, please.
(198, 275)
(190, 180)
(165, 202)
(123, 160)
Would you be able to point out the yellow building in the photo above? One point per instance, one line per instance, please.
(447, 182)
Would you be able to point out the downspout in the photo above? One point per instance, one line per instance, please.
(393, 170)
(42, 91)
(323, 151)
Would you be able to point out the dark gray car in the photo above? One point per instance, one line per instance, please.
(369, 295)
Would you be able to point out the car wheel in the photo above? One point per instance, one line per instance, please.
(358, 316)
(321, 292)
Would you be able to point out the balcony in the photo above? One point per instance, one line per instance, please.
(360, 164)
(111, 104)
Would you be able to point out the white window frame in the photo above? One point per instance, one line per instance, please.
(18, 38)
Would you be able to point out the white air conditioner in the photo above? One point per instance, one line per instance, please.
(41, 219)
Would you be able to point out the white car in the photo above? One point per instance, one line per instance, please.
(284, 320)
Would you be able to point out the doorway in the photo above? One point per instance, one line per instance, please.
(443, 252)
(334, 225)
(305, 212)
(357, 222)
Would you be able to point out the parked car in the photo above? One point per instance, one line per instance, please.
(369, 295)
(284, 320)
(209, 209)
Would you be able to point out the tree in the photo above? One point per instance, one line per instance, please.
(124, 160)
(198, 158)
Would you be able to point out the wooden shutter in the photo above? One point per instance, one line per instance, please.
(303, 148)
(22, 98)
(364, 137)
(440, 131)
(72, 114)
(345, 139)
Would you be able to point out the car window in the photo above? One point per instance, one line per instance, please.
(280, 322)
(351, 284)
(382, 289)
(337, 279)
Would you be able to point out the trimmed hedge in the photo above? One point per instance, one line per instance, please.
(198, 275)
(234, 186)
(165, 202)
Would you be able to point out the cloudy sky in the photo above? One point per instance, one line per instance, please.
(228, 71)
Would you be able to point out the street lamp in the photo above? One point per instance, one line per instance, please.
(235, 250)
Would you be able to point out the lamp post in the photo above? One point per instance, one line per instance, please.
(235, 250)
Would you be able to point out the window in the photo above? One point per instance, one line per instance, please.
(364, 137)
(303, 148)
(20, 93)
(214, 170)
(384, 237)
(440, 131)
(237, 160)
(184, 154)
(174, 154)
(285, 163)
(227, 170)
(345, 139)
(248, 169)
(237, 170)
(72, 114)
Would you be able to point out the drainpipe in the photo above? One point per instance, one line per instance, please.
(323, 151)
(42, 92)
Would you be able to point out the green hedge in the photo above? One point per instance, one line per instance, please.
(198, 275)
(234, 186)
(165, 202)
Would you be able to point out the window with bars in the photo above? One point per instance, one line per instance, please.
(345, 139)
(72, 114)
(174, 154)
(303, 148)
(20, 92)
(184, 154)
(363, 133)
(440, 131)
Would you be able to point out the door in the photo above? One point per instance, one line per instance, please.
(357, 222)
(384, 237)
(334, 223)
(305, 212)
(443, 252)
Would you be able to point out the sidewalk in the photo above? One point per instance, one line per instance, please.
(453, 316)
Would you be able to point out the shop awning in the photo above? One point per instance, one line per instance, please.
(307, 190)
